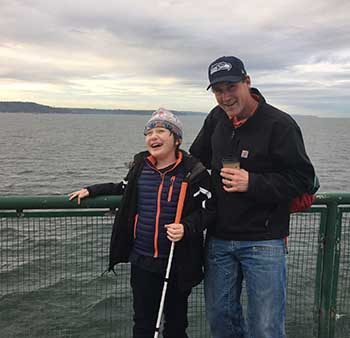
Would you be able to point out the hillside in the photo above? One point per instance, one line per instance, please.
(32, 107)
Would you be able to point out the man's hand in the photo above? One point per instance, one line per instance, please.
(175, 232)
(234, 180)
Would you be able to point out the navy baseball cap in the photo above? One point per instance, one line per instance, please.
(226, 69)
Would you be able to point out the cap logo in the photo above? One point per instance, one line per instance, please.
(220, 66)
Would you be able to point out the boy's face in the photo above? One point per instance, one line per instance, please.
(160, 143)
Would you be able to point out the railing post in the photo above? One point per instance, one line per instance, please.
(319, 272)
(330, 272)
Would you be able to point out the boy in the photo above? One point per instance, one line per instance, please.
(144, 226)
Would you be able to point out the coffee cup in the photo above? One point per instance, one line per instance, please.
(231, 162)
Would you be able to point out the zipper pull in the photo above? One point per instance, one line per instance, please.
(171, 186)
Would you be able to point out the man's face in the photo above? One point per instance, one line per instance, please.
(233, 98)
(160, 143)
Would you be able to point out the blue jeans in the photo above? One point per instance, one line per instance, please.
(262, 265)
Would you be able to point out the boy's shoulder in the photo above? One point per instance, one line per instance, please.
(141, 156)
(191, 163)
(137, 159)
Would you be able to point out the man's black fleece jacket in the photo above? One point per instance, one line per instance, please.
(271, 148)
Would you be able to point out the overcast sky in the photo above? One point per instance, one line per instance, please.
(142, 54)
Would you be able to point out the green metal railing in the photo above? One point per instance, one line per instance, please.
(53, 253)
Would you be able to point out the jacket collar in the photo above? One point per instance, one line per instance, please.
(192, 166)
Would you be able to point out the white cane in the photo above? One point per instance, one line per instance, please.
(170, 259)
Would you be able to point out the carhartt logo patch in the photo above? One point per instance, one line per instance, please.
(244, 153)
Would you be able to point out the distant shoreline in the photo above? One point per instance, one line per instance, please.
(32, 107)
(36, 108)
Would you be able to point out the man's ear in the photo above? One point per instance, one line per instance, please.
(247, 80)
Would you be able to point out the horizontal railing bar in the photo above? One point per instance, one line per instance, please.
(332, 197)
(20, 203)
(56, 202)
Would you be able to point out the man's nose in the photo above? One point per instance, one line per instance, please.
(226, 95)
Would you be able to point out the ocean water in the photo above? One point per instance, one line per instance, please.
(54, 154)
(50, 269)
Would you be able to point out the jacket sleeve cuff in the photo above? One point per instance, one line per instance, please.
(91, 192)
(186, 230)
(251, 184)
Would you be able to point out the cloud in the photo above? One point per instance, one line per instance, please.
(159, 49)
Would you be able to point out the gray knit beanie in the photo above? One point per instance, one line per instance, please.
(163, 118)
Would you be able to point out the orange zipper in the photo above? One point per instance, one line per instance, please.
(135, 223)
(171, 186)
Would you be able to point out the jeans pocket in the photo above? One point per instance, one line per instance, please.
(269, 250)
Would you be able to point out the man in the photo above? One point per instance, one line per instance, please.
(253, 201)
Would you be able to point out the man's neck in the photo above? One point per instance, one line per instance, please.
(249, 111)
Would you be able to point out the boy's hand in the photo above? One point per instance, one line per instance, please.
(175, 232)
(80, 194)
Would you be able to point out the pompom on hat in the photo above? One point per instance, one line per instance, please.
(163, 118)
